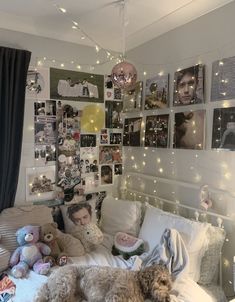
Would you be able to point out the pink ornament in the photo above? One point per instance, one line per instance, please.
(124, 75)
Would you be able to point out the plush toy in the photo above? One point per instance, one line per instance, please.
(127, 245)
(29, 253)
(48, 235)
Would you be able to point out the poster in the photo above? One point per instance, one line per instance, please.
(156, 131)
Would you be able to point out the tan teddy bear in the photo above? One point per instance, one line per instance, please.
(48, 235)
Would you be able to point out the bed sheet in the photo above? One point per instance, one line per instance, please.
(184, 289)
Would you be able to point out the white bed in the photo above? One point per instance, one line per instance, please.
(126, 216)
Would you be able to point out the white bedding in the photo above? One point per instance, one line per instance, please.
(184, 289)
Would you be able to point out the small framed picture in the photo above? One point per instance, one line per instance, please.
(156, 92)
(40, 182)
(189, 86)
(132, 98)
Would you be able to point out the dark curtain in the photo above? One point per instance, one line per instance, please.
(13, 72)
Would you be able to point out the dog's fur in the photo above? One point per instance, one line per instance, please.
(106, 284)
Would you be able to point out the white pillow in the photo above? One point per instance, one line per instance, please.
(120, 216)
(193, 234)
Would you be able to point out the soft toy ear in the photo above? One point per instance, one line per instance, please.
(54, 224)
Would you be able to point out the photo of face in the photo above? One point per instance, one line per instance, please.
(188, 86)
(82, 217)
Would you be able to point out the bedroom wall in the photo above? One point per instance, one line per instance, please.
(62, 52)
(209, 38)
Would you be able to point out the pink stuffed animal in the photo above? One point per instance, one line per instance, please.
(29, 254)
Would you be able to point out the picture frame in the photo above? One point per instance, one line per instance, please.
(157, 92)
(189, 86)
(157, 131)
(132, 132)
(223, 80)
(40, 183)
(77, 86)
(133, 97)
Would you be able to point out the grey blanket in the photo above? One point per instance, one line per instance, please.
(171, 251)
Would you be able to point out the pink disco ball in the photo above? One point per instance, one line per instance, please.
(124, 75)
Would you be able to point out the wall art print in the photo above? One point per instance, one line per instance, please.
(223, 79)
(223, 135)
(40, 183)
(132, 97)
(190, 130)
(37, 83)
(77, 86)
(132, 131)
(110, 154)
(189, 86)
(157, 92)
(113, 110)
(156, 131)
(106, 172)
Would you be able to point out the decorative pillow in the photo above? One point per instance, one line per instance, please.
(68, 224)
(4, 258)
(210, 260)
(14, 218)
(120, 216)
(127, 245)
(192, 232)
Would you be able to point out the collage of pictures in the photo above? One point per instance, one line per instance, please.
(89, 160)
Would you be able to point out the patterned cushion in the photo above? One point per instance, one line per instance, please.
(210, 260)
(14, 218)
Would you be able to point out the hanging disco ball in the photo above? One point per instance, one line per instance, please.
(124, 75)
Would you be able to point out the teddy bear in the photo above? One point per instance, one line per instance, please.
(29, 253)
(48, 235)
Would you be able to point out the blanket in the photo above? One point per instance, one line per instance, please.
(171, 252)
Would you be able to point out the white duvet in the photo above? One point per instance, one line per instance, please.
(184, 289)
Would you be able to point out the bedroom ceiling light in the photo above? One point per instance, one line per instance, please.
(124, 74)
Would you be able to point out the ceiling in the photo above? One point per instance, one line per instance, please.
(102, 20)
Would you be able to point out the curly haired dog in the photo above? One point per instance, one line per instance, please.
(106, 284)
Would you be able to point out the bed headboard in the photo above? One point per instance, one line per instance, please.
(184, 199)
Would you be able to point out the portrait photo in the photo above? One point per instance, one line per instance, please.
(189, 131)
(223, 80)
(104, 137)
(118, 169)
(77, 86)
(132, 97)
(106, 172)
(156, 131)
(223, 135)
(115, 138)
(110, 154)
(189, 86)
(37, 83)
(113, 110)
(45, 130)
(39, 108)
(132, 131)
(157, 92)
(40, 183)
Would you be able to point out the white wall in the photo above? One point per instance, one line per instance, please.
(209, 38)
(62, 53)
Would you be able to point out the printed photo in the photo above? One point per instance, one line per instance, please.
(132, 131)
(77, 86)
(223, 136)
(45, 130)
(189, 86)
(223, 80)
(50, 107)
(190, 130)
(110, 154)
(37, 83)
(104, 137)
(113, 110)
(106, 172)
(40, 183)
(118, 169)
(44, 154)
(88, 140)
(117, 94)
(39, 108)
(156, 92)
(156, 131)
(89, 160)
(132, 98)
(115, 138)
